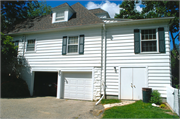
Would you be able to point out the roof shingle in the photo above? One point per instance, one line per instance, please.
(81, 17)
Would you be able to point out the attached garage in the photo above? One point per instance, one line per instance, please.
(78, 85)
(132, 79)
(45, 84)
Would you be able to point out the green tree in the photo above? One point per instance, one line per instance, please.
(42, 9)
(15, 12)
(128, 10)
(8, 56)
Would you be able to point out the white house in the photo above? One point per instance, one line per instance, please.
(85, 51)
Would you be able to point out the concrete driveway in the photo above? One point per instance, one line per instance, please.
(47, 107)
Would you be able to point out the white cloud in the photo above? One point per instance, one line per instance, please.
(110, 7)
(138, 8)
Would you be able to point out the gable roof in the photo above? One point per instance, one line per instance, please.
(81, 17)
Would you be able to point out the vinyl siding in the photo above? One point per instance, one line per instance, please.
(120, 51)
(48, 52)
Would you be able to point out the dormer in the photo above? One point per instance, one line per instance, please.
(62, 13)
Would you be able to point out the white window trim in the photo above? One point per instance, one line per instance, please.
(72, 44)
(34, 45)
(157, 42)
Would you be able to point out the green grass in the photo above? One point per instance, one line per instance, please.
(137, 110)
(109, 101)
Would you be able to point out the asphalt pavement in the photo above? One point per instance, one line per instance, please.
(48, 107)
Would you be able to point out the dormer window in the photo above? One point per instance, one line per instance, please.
(59, 16)
(62, 13)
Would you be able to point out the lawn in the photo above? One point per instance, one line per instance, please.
(137, 110)
(110, 101)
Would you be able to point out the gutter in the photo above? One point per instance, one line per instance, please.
(104, 83)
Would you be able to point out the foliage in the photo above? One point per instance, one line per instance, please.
(128, 11)
(15, 12)
(110, 101)
(155, 97)
(8, 56)
(175, 68)
(154, 9)
(137, 110)
(162, 105)
(14, 88)
(42, 9)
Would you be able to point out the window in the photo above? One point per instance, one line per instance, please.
(59, 16)
(148, 40)
(31, 45)
(73, 44)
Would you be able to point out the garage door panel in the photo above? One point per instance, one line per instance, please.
(79, 86)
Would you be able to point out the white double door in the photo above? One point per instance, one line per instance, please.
(132, 81)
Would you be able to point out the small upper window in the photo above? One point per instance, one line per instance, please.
(148, 40)
(59, 16)
(31, 45)
(73, 44)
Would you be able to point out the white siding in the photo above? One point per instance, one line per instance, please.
(120, 51)
(48, 54)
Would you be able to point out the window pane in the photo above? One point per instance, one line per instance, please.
(148, 46)
(30, 45)
(60, 14)
(72, 48)
(73, 40)
(148, 34)
(58, 19)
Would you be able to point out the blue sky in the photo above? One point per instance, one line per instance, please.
(111, 7)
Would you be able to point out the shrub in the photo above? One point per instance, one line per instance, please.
(155, 97)
(162, 105)
(14, 88)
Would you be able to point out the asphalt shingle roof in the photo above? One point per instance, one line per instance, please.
(98, 10)
(81, 17)
(62, 5)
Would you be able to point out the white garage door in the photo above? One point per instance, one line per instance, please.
(132, 81)
(78, 85)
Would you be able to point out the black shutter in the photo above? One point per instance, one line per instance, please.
(161, 40)
(136, 41)
(64, 45)
(81, 44)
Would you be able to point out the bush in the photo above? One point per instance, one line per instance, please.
(155, 97)
(162, 105)
(13, 88)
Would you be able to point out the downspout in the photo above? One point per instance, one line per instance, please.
(24, 39)
(104, 83)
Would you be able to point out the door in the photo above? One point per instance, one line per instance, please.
(132, 81)
(78, 85)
